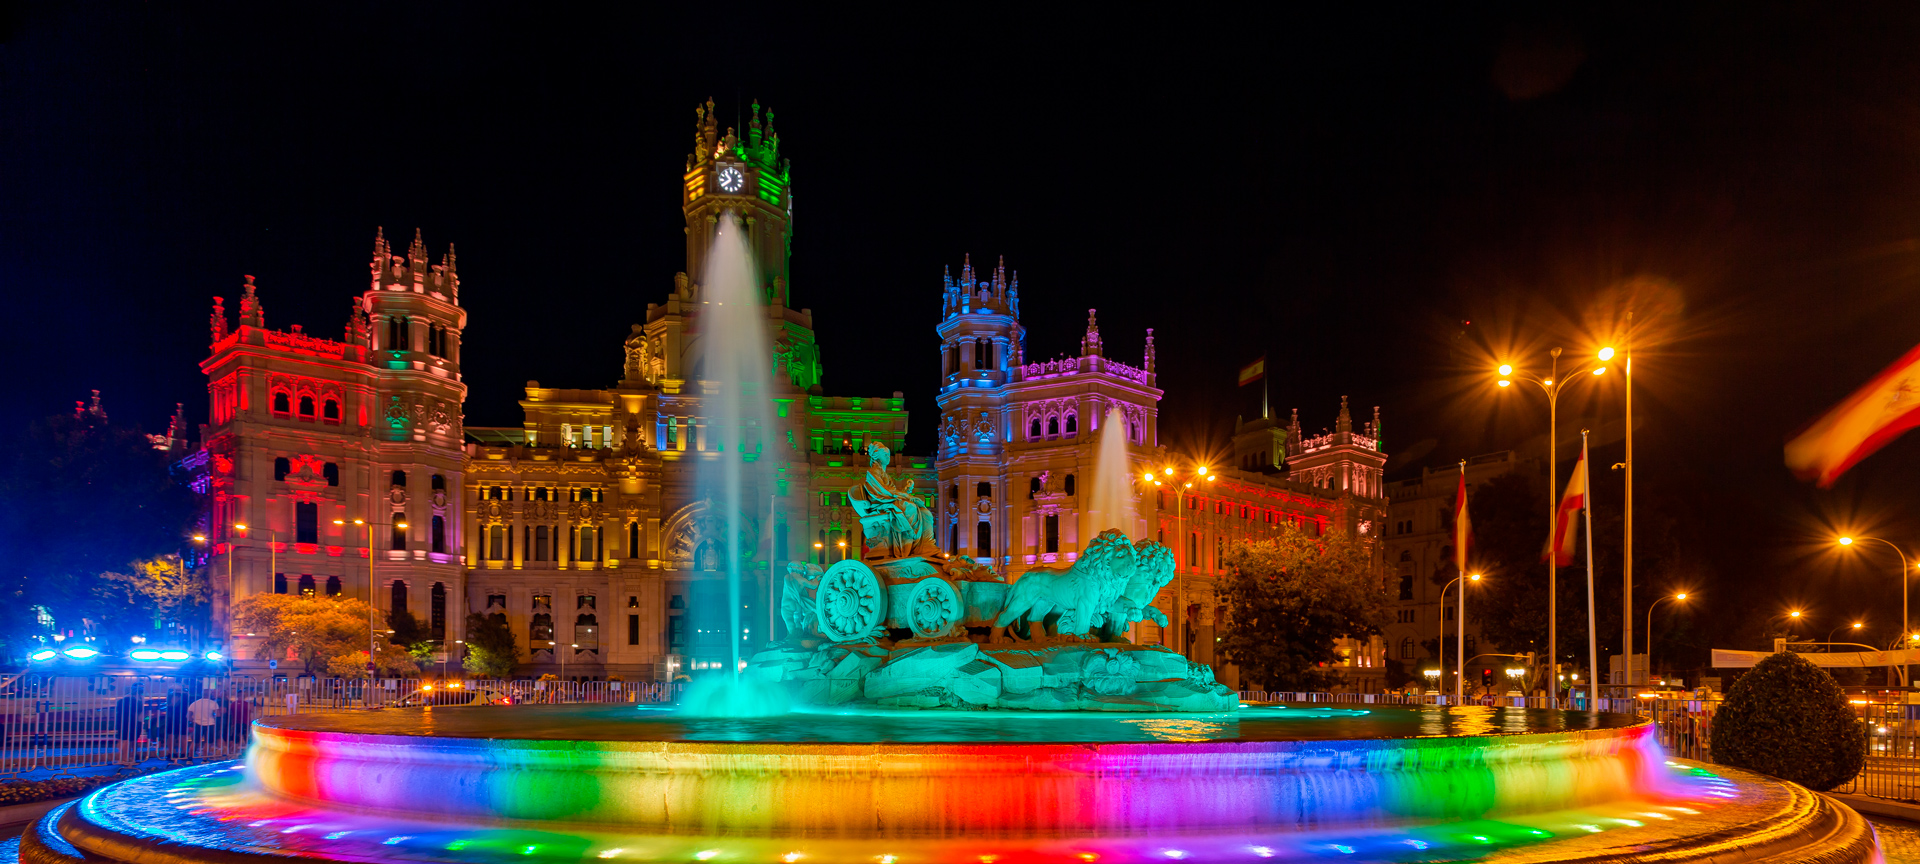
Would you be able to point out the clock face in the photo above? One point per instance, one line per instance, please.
(731, 179)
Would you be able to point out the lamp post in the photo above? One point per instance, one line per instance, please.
(372, 607)
(1433, 679)
(1180, 493)
(1830, 643)
(1552, 385)
(1680, 597)
(1460, 662)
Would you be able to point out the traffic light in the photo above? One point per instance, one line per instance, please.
(1486, 677)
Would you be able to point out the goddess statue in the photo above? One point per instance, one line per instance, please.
(894, 522)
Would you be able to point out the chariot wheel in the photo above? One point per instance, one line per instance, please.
(850, 601)
(934, 608)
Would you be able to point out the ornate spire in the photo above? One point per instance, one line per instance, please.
(1090, 343)
(1000, 279)
(1013, 295)
(1345, 422)
(218, 320)
(966, 273)
(1293, 433)
(251, 312)
(1374, 430)
(1149, 361)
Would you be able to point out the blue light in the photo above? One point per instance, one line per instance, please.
(143, 654)
(81, 652)
(216, 656)
(43, 655)
(174, 654)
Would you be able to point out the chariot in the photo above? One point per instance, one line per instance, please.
(930, 596)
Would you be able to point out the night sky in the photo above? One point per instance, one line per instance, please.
(1344, 194)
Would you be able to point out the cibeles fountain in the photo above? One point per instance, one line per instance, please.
(921, 708)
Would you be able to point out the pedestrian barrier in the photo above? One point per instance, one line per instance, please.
(55, 725)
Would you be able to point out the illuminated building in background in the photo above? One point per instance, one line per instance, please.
(581, 526)
(1019, 442)
(304, 431)
(1420, 561)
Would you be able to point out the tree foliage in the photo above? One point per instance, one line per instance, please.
(1788, 718)
(162, 589)
(320, 631)
(1288, 598)
(491, 649)
(81, 496)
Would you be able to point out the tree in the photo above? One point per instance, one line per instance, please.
(161, 591)
(411, 635)
(1788, 718)
(491, 649)
(319, 631)
(81, 496)
(1288, 598)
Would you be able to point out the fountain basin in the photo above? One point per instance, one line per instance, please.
(579, 783)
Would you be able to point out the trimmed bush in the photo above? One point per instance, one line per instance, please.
(29, 791)
(1788, 718)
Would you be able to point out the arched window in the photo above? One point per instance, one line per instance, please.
(1406, 585)
(306, 586)
(398, 337)
(1406, 554)
(439, 483)
(397, 597)
(1406, 648)
(1133, 432)
(282, 403)
(983, 490)
(1066, 484)
(953, 538)
(330, 411)
(282, 466)
(1033, 486)
(1053, 425)
(984, 537)
(953, 493)
(279, 583)
(399, 478)
(331, 472)
(333, 586)
(306, 407)
(1073, 423)
(1033, 429)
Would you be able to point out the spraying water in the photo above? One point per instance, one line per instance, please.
(734, 367)
(1112, 503)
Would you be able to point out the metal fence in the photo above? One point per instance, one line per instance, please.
(57, 725)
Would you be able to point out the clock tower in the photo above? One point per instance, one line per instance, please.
(749, 177)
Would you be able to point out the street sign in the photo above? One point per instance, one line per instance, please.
(273, 664)
(370, 667)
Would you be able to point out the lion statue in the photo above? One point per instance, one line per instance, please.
(1152, 570)
(1070, 601)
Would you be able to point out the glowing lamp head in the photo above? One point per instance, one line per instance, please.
(400, 525)
(176, 655)
(1600, 371)
(1506, 369)
(339, 521)
(1606, 354)
(143, 654)
(1794, 614)
(1857, 624)
(239, 526)
(1846, 541)
(1505, 383)
(1203, 470)
(1147, 477)
(1683, 595)
(82, 652)
(216, 656)
(43, 655)
(1474, 578)
(199, 538)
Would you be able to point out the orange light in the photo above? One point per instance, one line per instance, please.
(1474, 578)
(1505, 383)
(1846, 541)
(1600, 371)
(1606, 354)
(1683, 595)
(238, 526)
(1506, 369)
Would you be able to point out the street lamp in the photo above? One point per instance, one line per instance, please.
(372, 606)
(1906, 569)
(1681, 597)
(1433, 678)
(1460, 662)
(1552, 386)
(1855, 626)
(1180, 493)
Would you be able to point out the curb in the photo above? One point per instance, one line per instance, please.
(1881, 806)
(20, 814)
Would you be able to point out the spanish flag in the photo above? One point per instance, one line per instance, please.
(1865, 422)
(1253, 371)
(1560, 544)
(1462, 526)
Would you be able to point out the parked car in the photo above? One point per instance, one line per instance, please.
(451, 695)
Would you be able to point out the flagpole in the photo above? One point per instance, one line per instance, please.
(1460, 631)
(1593, 633)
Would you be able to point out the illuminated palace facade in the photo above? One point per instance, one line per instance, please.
(1019, 441)
(581, 525)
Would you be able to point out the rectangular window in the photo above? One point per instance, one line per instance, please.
(633, 629)
(399, 531)
(306, 522)
(540, 540)
(633, 540)
(496, 542)
(440, 534)
(1053, 532)
(677, 631)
